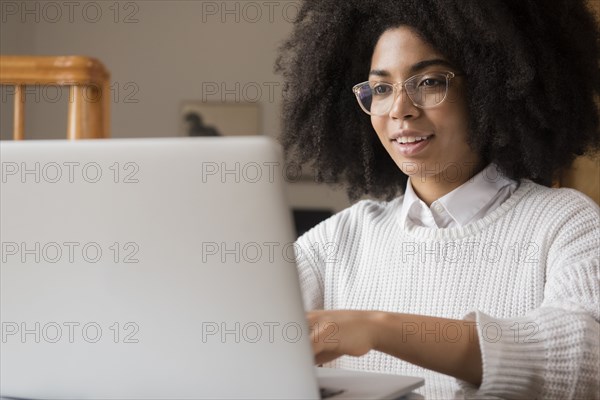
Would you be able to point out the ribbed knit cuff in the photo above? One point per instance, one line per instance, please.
(513, 356)
(550, 345)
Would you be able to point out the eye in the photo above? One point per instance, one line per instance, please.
(382, 89)
(430, 81)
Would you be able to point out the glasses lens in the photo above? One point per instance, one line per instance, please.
(364, 95)
(376, 97)
(427, 90)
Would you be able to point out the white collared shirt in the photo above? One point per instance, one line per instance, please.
(469, 202)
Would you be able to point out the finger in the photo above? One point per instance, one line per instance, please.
(326, 356)
(319, 343)
(313, 316)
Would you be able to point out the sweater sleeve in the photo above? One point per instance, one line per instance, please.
(320, 249)
(552, 352)
(314, 251)
(310, 263)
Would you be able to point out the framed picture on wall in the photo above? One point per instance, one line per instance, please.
(198, 118)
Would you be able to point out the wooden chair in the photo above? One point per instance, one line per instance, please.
(89, 91)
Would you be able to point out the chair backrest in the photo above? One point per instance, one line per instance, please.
(89, 90)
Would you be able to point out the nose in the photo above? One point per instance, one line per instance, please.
(403, 107)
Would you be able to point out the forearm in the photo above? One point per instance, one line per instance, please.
(444, 345)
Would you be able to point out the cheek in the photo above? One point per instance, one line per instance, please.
(460, 117)
(378, 124)
(452, 123)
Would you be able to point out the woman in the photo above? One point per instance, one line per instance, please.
(470, 266)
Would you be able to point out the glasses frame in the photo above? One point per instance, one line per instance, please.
(402, 85)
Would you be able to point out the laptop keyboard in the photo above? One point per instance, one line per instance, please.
(327, 393)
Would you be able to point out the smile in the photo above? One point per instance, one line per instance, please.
(412, 139)
(410, 146)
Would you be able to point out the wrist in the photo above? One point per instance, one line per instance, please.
(378, 324)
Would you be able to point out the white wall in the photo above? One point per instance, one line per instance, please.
(159, 53)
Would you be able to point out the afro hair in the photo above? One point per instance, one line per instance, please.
(531, 66)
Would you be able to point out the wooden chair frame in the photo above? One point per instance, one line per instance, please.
(89, 90)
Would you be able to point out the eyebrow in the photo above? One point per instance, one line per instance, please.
(415, 68)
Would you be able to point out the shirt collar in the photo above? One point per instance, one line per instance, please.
(466, 200)
(463, 203)
(412, 205)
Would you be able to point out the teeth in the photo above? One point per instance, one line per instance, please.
(410, 139)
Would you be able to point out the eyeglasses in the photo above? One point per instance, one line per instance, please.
(424, 90)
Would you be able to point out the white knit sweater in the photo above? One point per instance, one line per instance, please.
(528, 273)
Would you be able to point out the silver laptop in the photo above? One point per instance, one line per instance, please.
(156, 269)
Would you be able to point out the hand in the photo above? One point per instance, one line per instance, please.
(335, 333)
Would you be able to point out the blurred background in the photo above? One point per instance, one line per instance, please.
(178, 68)
(164, 57)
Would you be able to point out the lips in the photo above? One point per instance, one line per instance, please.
(411, 148)
(408, 133)
(412, 139)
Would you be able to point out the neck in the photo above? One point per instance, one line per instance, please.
(429, 188)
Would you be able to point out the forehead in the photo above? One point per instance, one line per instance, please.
(399, 49)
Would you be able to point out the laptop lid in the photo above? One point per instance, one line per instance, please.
(149, 268)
